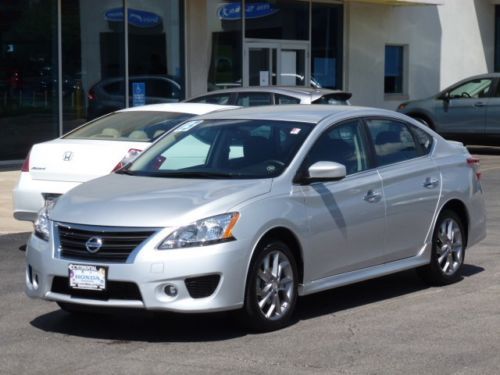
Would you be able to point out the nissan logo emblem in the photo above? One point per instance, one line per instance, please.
(93, 244)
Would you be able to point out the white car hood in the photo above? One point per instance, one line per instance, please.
(132, 201)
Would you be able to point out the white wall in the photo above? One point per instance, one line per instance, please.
(468, 39)
(445, 44)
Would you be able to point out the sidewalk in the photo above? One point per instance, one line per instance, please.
(8, 224)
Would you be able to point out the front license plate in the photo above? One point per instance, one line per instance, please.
(87, 277)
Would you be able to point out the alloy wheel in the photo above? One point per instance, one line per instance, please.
(275, 285)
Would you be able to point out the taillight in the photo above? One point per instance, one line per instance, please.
(475, 164)
(26, 164)
(91, 95)
(128, 158)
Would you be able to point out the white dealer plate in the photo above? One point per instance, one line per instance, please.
(88, 277)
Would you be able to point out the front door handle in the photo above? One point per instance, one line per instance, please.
(431, 182)
(479, 104)
(372, 196)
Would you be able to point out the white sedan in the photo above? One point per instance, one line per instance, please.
(93, 150)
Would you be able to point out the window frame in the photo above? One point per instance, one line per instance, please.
(404, 72)
(420, 152)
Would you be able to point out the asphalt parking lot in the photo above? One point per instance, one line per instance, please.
(391, 325)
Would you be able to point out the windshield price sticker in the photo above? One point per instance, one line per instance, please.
(295, 131)
(87, 277)
(188, 126)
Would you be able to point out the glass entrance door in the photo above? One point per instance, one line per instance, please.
(277, 63)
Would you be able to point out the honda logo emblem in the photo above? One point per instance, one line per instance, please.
(67, 156)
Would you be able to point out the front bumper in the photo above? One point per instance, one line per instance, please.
(151, 270)
(28, 198)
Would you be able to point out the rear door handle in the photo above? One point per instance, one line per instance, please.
(431, 182)
(479, 104)
(373, 196)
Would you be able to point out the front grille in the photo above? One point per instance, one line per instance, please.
(116, 244)
(114, 290)
(203, 286)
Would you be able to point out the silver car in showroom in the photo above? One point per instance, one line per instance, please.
(248, 209)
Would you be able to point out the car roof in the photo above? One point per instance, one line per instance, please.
(286, 90)
(292, 112)
(191, 108)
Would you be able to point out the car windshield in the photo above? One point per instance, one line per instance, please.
(238, 149)
(132, 126)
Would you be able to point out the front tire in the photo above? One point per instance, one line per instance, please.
(448, 251)
(271, 291)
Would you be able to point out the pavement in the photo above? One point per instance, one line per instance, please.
(8, 179)
(391, 325)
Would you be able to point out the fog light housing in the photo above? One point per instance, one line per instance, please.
(170, 290)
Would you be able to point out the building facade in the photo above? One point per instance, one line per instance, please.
(63, 62)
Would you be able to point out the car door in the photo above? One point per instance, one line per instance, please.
(347, 217)
(493, 113)
(411, 184)
(462, 110)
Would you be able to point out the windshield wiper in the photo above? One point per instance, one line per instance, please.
(195, 174)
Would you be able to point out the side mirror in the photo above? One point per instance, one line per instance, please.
(325, 171)
(445, 97)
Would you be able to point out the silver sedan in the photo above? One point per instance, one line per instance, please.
(250, 208)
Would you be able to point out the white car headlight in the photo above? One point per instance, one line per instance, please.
(41, 225)
(203, 232)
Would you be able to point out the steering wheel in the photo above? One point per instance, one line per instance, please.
(465, 95)
(273, 164)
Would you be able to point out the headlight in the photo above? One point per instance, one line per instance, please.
(42, 225)
(204, 232)
(402, 106)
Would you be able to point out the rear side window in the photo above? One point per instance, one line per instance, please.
(133, 126)
(221, 99)
(115, 88)
(393, 141)
(285, 99)
(423, 138)
(336, 98)
(253, 99)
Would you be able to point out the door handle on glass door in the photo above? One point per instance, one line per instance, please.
(431, 183)
(372, 196)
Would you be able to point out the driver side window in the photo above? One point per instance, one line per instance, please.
(478, 88)
(341, 144)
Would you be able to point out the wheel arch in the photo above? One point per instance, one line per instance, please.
(287, 236)
(423, 116)
(457, 206)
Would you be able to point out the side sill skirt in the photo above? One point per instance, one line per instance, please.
(347, 278)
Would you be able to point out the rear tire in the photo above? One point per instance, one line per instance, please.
(271, 290)
(448, 251)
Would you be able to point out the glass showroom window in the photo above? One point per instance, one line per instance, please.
(497, 38)
(28, 75)
(93, 56)
(326, 45)
(394, 69)
(224, 40)
(93, 59)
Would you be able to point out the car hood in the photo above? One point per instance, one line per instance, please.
(132, 201)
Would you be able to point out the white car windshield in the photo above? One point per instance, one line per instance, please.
(223, 149)
(132, 126)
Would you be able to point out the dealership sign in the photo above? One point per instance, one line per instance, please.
(232, 11)
(138, 18)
